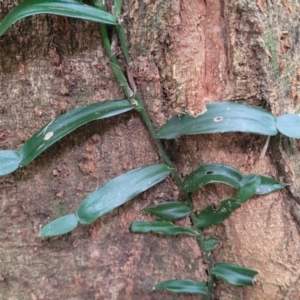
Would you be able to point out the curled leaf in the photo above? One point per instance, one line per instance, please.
(211, 173)
(68, 8)
(248, 189)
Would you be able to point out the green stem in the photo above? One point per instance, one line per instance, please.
(140, 107)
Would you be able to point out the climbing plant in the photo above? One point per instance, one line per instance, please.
(217, 117)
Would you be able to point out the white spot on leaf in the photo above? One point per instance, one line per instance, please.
(48, 135)
(218, 119)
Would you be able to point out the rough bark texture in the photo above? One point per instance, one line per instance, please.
(186, 53)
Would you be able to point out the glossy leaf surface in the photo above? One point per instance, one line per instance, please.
(9, 161)
(211, 173)
(234, 274)
(68, 8)
(210, 244)
(221, 117)
(160, 227)
(60, 226)
(66, 123)
(182, 286)
(120, 190)
(267, 184)
(214, 216)
(248, 189)
(289, 125)
(169, 210)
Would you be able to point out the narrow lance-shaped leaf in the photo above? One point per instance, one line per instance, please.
(183, 286)
(289, 125)
(9, 161)
(248, 189)
(120, 190)
(221, 117)
(160, 227)
(170, 210)
(214, 216)
(234, 274)
(68, 8)
(267, 184)
(211, 173)
(60, 226)
(66, 123)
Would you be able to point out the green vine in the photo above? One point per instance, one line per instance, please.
(218, 117)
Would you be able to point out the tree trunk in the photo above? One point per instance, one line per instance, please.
(186, 53)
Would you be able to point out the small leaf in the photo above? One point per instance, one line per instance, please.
(289, 125)
(267, 184)
(211, 173)
(169, 211)
(160, 227)
(9, 161)
(210, 244)
(248, 189)
(234, 274)
(118, 6)
(120, 190)
(60, 226)
(183, 286)
(221, 117)
(214, 216)
(66, 123)
(68, 8)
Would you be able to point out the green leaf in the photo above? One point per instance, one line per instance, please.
(161, 227)
(9, 161)
(210, 244)
(234, 274)
(289, 125)
(221, 117)
(248, 189)
(211, 173)
(60, 226)
(267, 184)
(66, 123)
(169, 211)
(68, 8)
(183, 286)
(214, 216)
(120, 190)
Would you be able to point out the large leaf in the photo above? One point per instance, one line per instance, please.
(60, 226)
(161, 227)
(210, 173)
(9, 161)
(248, 189)
(169, 210)
(267, 184)
(66, 123)
(183, 286)
(289, 125)
(120, 190)
(214, 216)
(234, 274)
(221, 117)
(68, 8)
